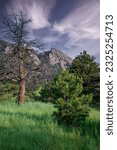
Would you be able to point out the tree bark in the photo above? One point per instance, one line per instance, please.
(21, 98)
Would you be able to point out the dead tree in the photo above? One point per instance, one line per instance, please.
(17, 33)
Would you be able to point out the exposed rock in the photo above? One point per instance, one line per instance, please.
(51, 63)
(45, 65)
(54, 57)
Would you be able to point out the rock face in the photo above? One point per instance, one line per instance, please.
(50, 63)
(45, 66)
(55, 58)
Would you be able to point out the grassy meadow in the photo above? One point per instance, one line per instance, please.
(32, 127)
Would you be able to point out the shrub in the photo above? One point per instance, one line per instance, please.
(72, 105)
(47, 93)
(66, 93)
(35, 95)
(8, 90)
(66, 86)
(73, 113)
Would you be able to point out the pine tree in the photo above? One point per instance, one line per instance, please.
(84, 66)
(73, 106)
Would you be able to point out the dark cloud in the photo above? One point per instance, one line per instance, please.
(62, 9)
(3, 4)
(69, 25)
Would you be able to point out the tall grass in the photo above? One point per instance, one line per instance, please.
(31, 127)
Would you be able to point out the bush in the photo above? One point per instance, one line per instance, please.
(8, 90)
(66, 93)
(35, 95)
(72, 105)
(47, 93)
(73, 113)
(66, 86)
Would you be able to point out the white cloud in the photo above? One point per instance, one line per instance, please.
(77, 31)
(80, 24)
(38, 10)
(51, 38)
(39, 17)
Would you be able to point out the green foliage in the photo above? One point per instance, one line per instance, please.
(67, 86)
(35, 94)
(32, 127)
(66, 92)
(47, 93)
(85, 67)
(73, 113)
(8, 90)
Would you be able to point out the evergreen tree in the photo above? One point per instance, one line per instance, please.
(71, 103)
(85, 67)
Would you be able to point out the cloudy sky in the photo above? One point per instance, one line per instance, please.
(68, 25)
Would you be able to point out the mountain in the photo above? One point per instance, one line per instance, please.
(45, 65)
(49, 63)
(54, 57)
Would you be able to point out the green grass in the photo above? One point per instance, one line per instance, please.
(31, 127)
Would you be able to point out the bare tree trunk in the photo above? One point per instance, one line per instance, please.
(21, 97)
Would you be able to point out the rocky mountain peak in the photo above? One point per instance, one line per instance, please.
(45, 65)
(54, 57)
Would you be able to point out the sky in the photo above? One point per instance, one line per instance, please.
(68, 25)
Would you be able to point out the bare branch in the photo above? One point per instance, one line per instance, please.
(16, 31)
